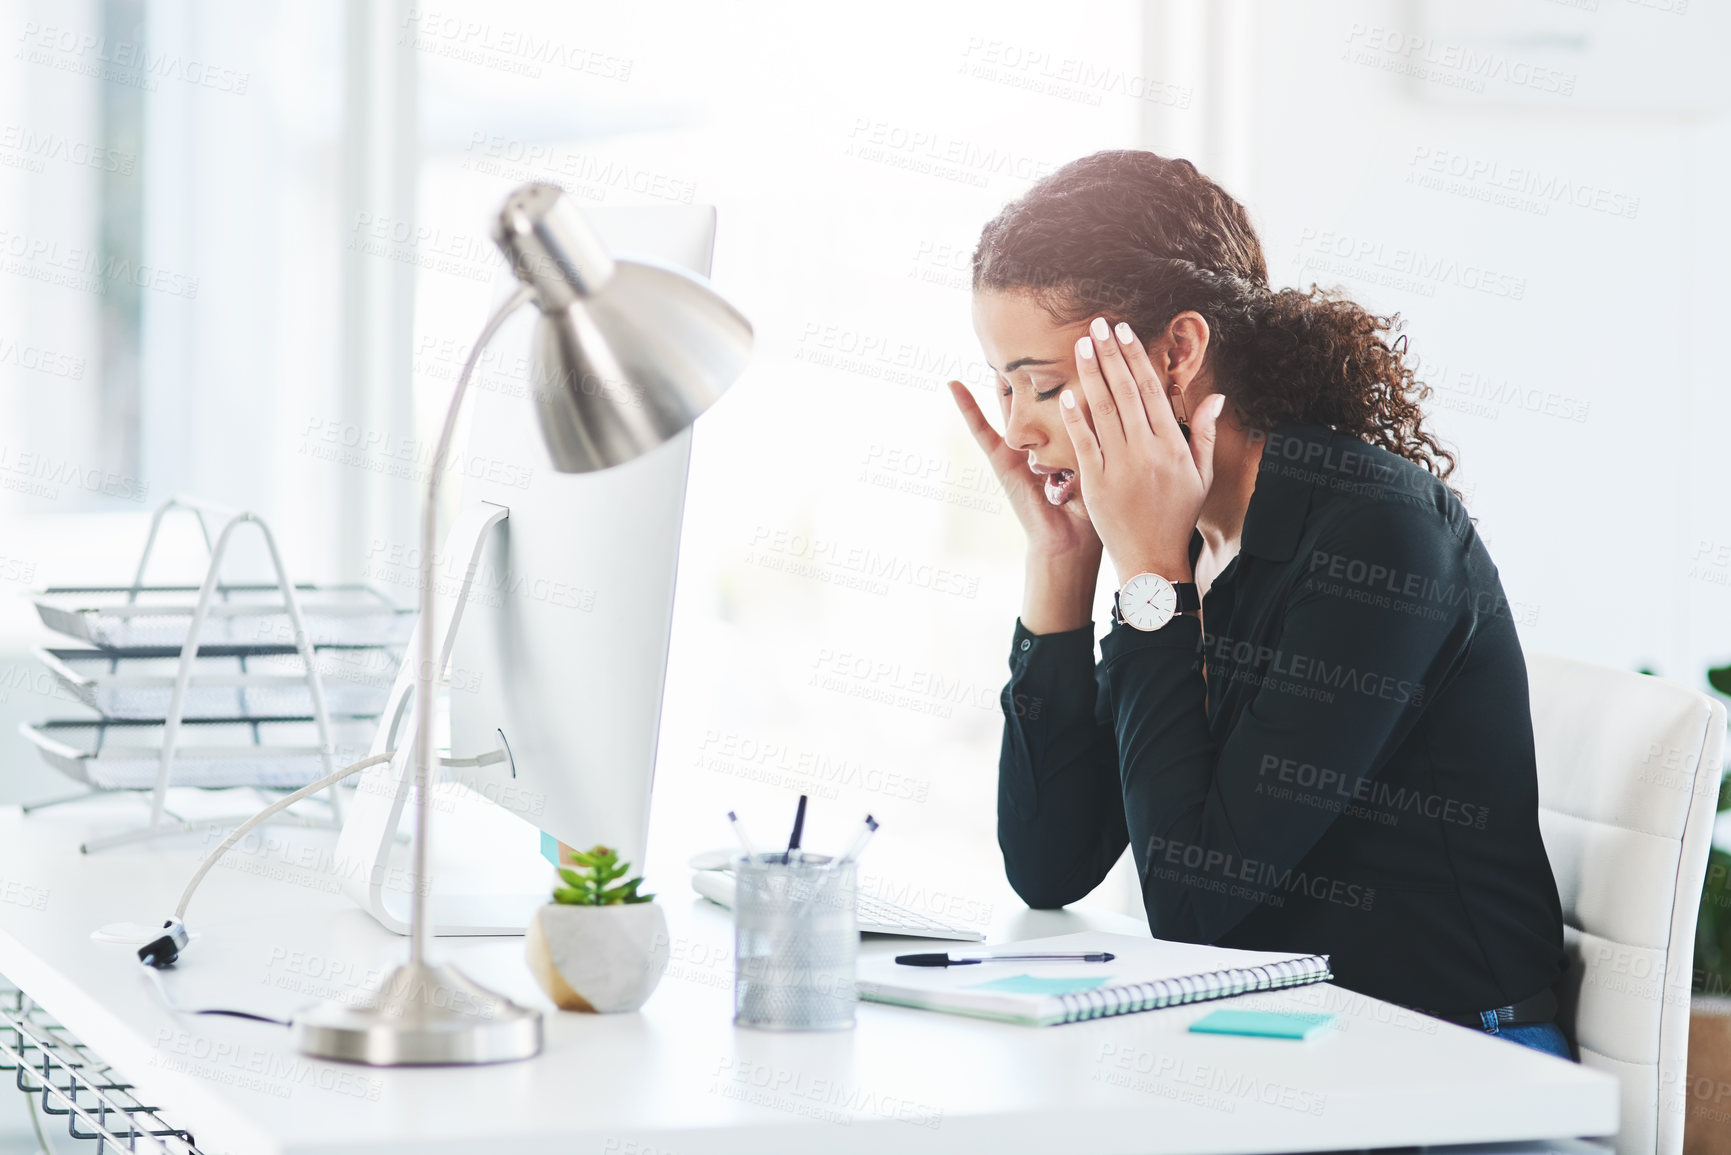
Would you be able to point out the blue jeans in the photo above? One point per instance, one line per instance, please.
(1546, 1037)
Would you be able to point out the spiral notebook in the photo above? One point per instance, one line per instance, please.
(1144, 975)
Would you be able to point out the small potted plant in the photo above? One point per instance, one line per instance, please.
(599, 945)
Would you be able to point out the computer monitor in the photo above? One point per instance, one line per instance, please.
(560, 650)
(566, 638)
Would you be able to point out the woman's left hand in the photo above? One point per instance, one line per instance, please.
(1144, 484)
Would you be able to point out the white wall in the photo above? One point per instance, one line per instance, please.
(1606, 310)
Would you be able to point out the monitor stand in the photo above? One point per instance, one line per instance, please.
(363, 853)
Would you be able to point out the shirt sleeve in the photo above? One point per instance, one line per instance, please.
(1061, 821)
(1336, 693)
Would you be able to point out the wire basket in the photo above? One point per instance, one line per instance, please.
(121, 617)
(241, 682)
(66, 1080)
(274, 753)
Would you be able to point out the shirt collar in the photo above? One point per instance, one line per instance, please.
(1274, 520)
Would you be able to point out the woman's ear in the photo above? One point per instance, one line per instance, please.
(1186, 348)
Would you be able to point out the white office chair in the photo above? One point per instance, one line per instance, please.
(1629, 770)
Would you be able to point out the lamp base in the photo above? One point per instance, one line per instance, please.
(422, 1016)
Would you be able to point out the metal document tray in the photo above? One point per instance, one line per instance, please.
(227, 682)
(123, 755)
(250, 615)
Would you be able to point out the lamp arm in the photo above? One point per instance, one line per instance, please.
(427, 659)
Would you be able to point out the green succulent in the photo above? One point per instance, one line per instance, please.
(592, 885)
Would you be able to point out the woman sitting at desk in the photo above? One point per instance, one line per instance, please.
(1310, 720)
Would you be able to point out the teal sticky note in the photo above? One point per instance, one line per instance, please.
(1032, 985)
(1262, 1024)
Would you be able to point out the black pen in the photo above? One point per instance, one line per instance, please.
(944, 960)
(798, 825)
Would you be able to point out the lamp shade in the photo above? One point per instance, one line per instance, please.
(626, 354)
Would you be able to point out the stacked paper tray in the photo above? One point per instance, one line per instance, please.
(124, 755)
(239, 615)
(227, 682)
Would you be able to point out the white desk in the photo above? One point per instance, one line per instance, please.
(678, 1078)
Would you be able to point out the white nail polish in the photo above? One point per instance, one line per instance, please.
(1067, 399)
(1125, 336)
(1085, 348)
(1099, 329)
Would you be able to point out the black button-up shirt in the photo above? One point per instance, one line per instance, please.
(1355, 774)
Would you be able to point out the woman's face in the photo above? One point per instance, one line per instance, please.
(1033, 359)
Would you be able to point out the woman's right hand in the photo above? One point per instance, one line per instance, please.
(1054, 531)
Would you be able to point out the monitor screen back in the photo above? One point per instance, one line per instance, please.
(561, 654)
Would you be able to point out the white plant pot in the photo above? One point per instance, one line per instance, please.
(598, 958)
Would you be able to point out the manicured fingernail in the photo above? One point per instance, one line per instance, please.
(1125, 336)
(1099, 329)
(1067, 399)
(1085, 348)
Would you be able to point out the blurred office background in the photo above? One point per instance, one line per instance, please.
(243, 252)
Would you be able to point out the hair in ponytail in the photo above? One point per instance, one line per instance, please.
(1141, 238)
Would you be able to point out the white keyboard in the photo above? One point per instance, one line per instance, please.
(875, 915)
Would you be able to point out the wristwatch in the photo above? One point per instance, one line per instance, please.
(1148, 601)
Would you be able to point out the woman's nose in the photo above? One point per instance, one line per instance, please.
(1019, 432)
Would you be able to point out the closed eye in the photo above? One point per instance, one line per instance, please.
(1039, 394)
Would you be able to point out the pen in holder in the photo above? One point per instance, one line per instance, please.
(795, 940)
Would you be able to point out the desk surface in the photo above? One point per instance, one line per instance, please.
(678, 1078)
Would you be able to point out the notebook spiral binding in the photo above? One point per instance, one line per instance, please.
(1131, 997)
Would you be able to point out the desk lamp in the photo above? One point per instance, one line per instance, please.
(626, 356)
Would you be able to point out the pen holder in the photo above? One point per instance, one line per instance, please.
(795, 939)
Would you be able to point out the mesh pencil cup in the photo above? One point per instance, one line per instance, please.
(795, 939)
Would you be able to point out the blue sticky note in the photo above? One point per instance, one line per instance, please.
(1262, 1024)
(1032, 985)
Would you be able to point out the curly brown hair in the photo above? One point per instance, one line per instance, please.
(1141, 238)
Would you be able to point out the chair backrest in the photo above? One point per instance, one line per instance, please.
(1629, 770)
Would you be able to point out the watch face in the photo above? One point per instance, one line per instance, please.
(1147, 601)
